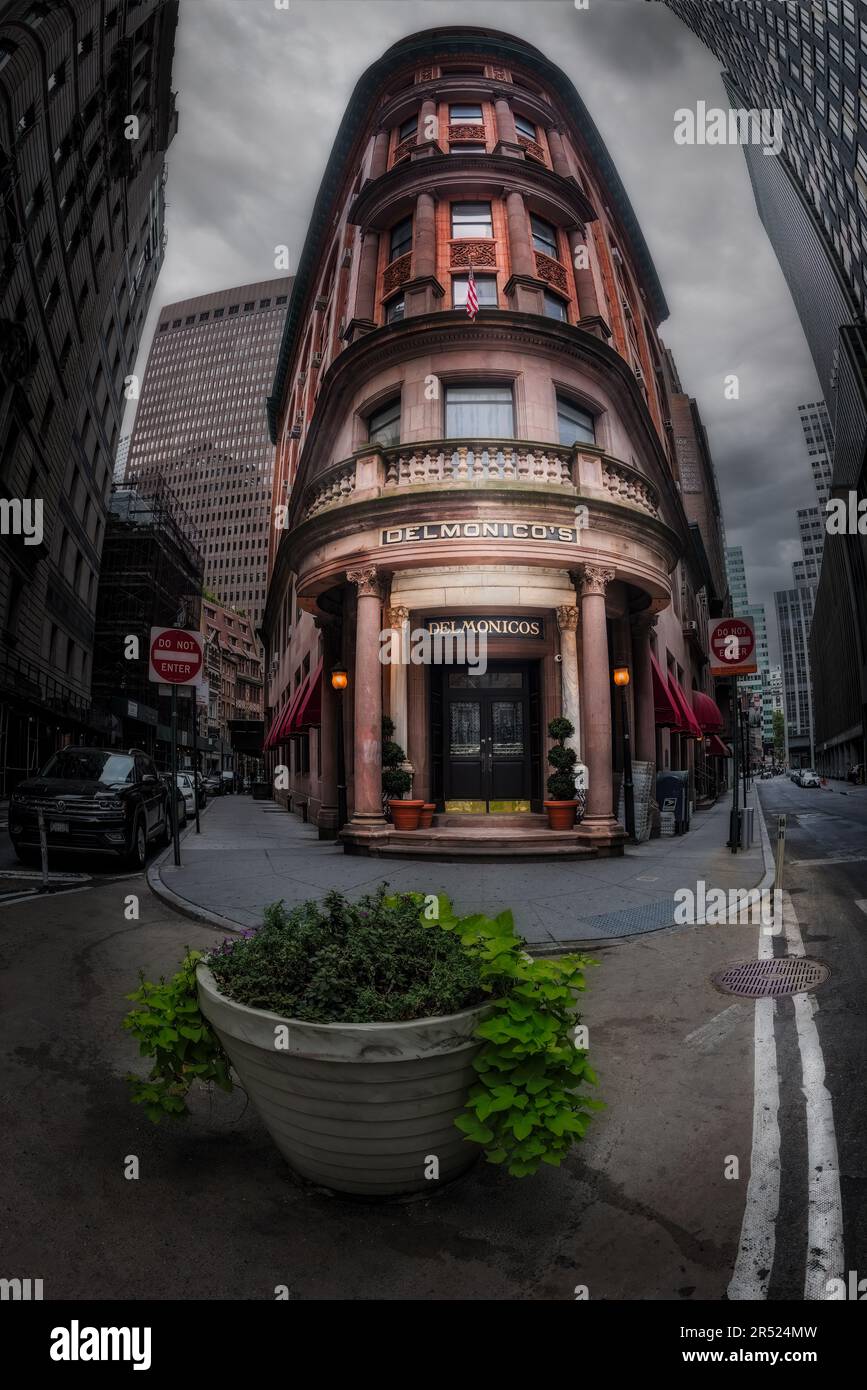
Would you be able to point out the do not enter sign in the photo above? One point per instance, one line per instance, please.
(732, 646)
(176, 656)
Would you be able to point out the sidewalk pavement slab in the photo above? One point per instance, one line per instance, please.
(250, 854)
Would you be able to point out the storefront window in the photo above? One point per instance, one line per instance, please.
(576, 426)
(384, 424)
(482, 412)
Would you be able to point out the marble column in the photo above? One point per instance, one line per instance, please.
(426, 146)
(424, 237)
(379, 159)
(645, 714)
(364, 318)
(507, 135)
(567, 622)
(398, 621)
(331, 712)
(524, 288)
(558, 153)
(599, 824)
(367, 815)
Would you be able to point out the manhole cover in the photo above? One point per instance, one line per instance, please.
(754, 979)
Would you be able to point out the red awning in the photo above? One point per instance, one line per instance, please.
(309, 711)
(690, 725)
(286, 722)
(275, 725)
(707, 713)
(718, 749)
(666, 711)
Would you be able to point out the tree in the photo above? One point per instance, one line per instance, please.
(779, 735)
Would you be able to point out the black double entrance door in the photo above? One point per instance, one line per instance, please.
(487, 738)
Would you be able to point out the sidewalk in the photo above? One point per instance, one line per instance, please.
(252, 853)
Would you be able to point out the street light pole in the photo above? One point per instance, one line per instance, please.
(621, 679)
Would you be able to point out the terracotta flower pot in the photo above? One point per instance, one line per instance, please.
(426, 818)
(561, 814)
(405, 814)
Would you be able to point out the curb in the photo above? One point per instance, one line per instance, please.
(186, 908)
(767, 880)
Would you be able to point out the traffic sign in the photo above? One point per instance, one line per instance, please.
(732, 646)
(176, 656)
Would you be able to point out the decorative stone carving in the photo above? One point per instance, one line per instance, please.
(403, 150)
(499, 74)
(552, 272)
(595, 580)
(397, 273)
(424, 75)
(397, 615)
(475, 253)
(466, 132)
(531, 147)
(366, 580)
(627, 487)
(567, 617)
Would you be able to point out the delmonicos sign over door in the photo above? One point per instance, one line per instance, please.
(493, 625)
(480, 530)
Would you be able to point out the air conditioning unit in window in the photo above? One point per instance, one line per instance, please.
(346, 258)
(320, 302)
(317, 359)
(639, 374)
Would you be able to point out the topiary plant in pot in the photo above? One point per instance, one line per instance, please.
(396, 782)
(561, 783)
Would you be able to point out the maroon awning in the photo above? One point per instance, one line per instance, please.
(707, 713)
(309, 711)
(275, 725)
(718, 749)
(691, 724)
(667, 713)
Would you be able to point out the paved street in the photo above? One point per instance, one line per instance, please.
(642, 1210)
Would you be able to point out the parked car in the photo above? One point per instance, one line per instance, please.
(794, 774)
(188, 790)
(855, 775)
(808, 778)
(228, 782)
(213, 784)
(93, 799)
(180, 800)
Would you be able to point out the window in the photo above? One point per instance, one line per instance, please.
(544, 236)
(383, 426)
(575, 425)
(458, 115)
(395, 309)
(472, 220)
(57, 78)
(7, 48)
(401, 239)
(555, 307)
(482, 412)
(467, 147)
(408, 128)
(486, 291)
(525, 127)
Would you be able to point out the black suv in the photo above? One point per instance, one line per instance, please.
(92, 799)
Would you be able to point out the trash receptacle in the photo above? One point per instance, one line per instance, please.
(747, 817)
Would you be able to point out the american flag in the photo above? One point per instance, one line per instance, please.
(472, 297)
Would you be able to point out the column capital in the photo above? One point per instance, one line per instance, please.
(367, 580)
(397, 615)
(595, 580)
(567, 617)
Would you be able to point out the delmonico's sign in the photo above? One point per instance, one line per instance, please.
(480, 530)
(493, 625)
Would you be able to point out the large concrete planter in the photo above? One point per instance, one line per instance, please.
(357, 1107)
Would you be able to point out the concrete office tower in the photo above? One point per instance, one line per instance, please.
(81, 245)
(201, 424)
(811, 529)
(810, 62)
(795, 609)
(754, 687)
(436, 464)
(120, 460)
(819, 440)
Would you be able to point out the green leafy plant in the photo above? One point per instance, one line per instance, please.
(396, 781)
(528, 1106)
(561, 783)
(171, 1029)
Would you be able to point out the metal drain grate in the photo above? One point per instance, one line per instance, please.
(782, 975)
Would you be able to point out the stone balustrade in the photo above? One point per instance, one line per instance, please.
(576, 470)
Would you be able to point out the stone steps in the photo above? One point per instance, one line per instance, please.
(482, 842)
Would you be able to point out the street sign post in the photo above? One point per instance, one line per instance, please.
(731, 643)
(177, 656)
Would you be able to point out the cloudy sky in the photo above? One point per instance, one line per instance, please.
(261, 92)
